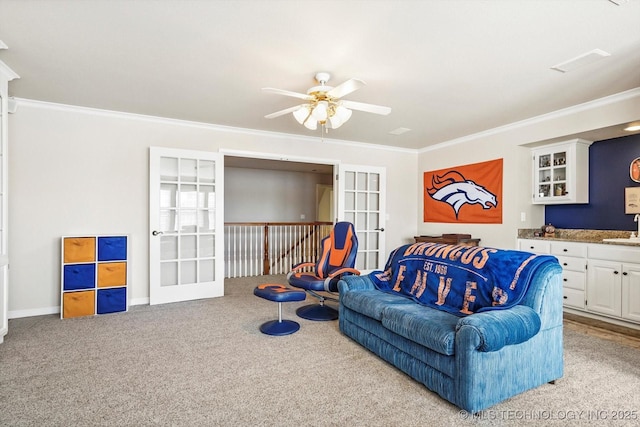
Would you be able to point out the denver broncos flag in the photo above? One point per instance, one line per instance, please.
(470, 194)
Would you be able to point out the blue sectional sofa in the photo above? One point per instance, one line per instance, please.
(472, 360)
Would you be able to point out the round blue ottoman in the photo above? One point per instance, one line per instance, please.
(279, 294)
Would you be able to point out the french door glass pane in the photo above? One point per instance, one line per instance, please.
(374, 201)
(207, 270)
(168, 169)
(361, 221)
(206, 196)
(168, 221)
(206, 172)
(188, 220)
(188, 272)
(374, 220)
(350, 217)
(207, 245)
(372, 259)
(362, 201)
(350, 181)
(362, 180)
(206, 221)
(188, 196)
(168, 196)
(374, 182)
(188, 170)
(168, 274)
(169, 247)
(349, 201)
(372, 241)
(188, 247)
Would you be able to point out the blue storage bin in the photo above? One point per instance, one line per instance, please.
(111, 300)
(79, 276)
(112, 248)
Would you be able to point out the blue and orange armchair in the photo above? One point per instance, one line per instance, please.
(337, 259)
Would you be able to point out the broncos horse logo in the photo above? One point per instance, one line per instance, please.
(456, 190)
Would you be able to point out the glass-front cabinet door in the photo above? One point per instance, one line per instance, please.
(561, 173)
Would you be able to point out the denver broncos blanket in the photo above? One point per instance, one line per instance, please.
(459, 279)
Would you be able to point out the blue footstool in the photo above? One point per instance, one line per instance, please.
(279, 294)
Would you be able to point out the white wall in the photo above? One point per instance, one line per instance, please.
(509, 143)
(76, 171)
(259, 195)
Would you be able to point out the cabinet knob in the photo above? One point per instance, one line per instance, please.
(616, 272)
(531, 247)
(565, 297)
(624, 273)
(565, 264)
(565, 250)
(564, 280)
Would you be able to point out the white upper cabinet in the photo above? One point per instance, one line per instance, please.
(561, 173)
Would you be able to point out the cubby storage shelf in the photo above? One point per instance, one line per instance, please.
(94, 275)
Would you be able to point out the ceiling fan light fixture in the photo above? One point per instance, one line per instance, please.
(335, 121)
(301, 114)
(343, 113)
(324, 106)
(311, 124)
(320, 111)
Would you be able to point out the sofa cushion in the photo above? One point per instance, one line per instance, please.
(432, 328)
(372, 302)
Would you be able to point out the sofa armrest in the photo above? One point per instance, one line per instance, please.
(492, 330)
(353, 282)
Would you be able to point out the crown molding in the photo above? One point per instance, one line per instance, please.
(201, 125)
(578, 108)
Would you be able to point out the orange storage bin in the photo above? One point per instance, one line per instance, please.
(112, 274)
(79, 249)
(76, 304)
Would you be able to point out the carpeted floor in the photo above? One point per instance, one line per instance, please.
(204, 363)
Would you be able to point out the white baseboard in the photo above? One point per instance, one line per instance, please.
(16, 314)
(139, 301)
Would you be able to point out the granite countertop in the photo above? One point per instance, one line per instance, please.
(579, 235)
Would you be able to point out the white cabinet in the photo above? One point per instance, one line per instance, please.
(573, 259)
(613, 281)
(535, 246)
(561, 173)
(631, 292)
(597, 279)
(605, 287)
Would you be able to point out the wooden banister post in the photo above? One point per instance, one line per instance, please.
(265, 257)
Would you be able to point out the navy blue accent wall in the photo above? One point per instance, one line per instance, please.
(609, 162)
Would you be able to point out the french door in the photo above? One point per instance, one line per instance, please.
(362, 201)
(186, 252)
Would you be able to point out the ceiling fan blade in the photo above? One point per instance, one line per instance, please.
(282, 112)
(346, 88)
(369, 108)
(287, 93)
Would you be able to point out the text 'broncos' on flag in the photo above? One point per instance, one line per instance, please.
(470, 194)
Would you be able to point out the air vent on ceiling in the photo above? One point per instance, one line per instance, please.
(399, 131)
(581, 60)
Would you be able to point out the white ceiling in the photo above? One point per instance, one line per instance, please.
(447, 68)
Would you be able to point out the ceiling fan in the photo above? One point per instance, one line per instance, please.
(323, 104)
